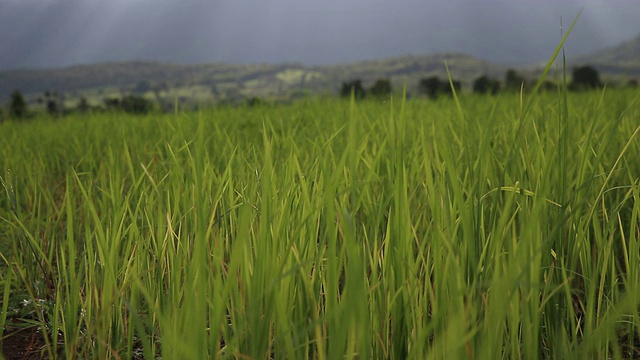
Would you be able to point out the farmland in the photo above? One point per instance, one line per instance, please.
(481, 228)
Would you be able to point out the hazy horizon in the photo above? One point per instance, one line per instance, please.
(60, 33)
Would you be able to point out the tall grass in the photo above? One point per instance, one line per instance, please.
(329, 229)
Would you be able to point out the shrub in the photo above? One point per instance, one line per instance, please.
(584, 78)
(513, 81)
(353, 87)
(131, 104)
(17, 106)
(432, 86)
(381, 88)
(484, 84)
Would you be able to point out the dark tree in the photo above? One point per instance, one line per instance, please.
(83, 105)
(17, 105)
(430, 86)
(548, 85)
(254, 101)
(585, 77)
(111, 103)
(513, 81)
(136, 104)
(381, 88)
(485, 85)
(633, 83)
(53, 102)
(355, 87)
(130, 104)
(446, 88)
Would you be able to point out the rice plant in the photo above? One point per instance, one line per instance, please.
(473, 228)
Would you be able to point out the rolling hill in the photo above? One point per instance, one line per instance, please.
(220, 81)
(216, 82)
(624, 54)
(622, 59)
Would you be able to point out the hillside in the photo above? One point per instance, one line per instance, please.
(216, 82)
(626, 54)
(622, 59)
(220, 81)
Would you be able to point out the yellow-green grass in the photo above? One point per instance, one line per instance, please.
(329, 229)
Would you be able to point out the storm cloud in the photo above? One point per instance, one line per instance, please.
(53, 33)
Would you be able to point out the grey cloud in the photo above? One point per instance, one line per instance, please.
(45, 33)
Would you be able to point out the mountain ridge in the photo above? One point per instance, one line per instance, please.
(221, 81)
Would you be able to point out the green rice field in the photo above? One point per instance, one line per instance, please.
(469, 228)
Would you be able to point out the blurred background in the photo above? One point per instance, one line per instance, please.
(54, 33)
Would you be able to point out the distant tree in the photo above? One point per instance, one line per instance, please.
(584, 78)
(53, 103)
(381, 88)
(136, 104)
(83, 105)
(446, 88)
(632, 83)
(111, 103)
(254, 101)
(355, 87)
(548, 85)
(513, 81)
(17, 105)
(131, 104)
(430, 86)
(433, 86)
(485, 84)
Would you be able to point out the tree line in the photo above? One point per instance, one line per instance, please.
(583, 78)
(53, 104)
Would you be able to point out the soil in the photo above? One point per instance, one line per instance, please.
(22, 343)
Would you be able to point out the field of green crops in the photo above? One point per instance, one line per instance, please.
(484, 228)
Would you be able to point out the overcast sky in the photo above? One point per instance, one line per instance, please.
(53, 33)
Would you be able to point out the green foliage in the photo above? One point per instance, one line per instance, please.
(131, 104)
(329, 229)
(381, 88)
(254, 101)
(483, 228)
(548, 85)
(513, 81)
(53, 103)
(353, 87)
(433, 86)
(17, 106)
(584, 78)
(486, 85)
(136, 104)
(83, 105)
(430, 86)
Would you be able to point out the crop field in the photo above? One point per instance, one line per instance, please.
(467, 228)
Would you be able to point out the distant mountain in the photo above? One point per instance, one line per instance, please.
(124, 77)
(622, 59)
(220, 81)
(214, 82)
(624, 54)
